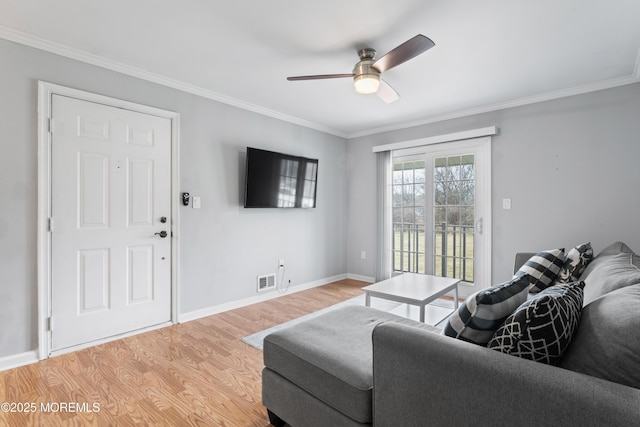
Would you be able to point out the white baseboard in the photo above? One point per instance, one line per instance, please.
(361, 278)
(232, 305)
(17, 360)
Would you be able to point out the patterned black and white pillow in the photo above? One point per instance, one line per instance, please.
(541, 329)
(543, 268)
(575, 263)
(477, 319)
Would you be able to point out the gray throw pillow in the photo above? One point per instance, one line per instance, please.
(617, 272)
(607, 343)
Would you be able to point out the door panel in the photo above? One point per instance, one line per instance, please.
(441, 208)
(110, 185)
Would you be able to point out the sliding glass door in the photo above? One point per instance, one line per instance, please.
(441, 211)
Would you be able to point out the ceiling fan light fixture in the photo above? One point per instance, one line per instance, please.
(366, 83)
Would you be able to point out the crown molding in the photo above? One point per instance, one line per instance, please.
(76, 54)
(99, 61)
(578, 90)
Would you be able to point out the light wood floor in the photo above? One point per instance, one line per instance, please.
(198, 373)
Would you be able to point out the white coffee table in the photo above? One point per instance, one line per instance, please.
(414, 289)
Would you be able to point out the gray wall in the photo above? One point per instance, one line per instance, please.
(223, 247)
(570, 167)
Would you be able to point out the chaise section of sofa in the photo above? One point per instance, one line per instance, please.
(319, 372)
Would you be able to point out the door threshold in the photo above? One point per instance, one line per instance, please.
(94, 343)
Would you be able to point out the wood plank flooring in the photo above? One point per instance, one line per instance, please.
(194, 374)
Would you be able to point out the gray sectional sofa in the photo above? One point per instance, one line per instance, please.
(359, 366)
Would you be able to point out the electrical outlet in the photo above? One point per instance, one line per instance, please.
(363, 254)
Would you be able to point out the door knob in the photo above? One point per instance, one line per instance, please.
(162, 234)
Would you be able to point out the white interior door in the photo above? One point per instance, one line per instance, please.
(110, 208)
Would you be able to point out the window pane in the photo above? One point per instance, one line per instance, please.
(409, 215)
(408, 195)
(468, 167)
(419, 194)
(397, 195)
(407, 173)
(454, 210)
(397, 215)
(440, 216)
(453, 192)
(467, 216)
(467, 192)
(397, 174)
(419, 172)
(420, 218)
(454, 167)
(453, 216)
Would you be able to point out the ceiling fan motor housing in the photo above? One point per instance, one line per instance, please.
(366, 78)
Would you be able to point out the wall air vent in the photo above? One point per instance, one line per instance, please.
(266, 282)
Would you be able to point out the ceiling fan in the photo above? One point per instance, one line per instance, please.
(366, 73)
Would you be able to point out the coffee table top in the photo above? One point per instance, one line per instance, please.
(412, 288)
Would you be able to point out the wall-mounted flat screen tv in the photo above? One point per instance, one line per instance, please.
(277, 180)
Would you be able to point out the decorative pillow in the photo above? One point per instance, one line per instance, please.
(607, 343)
(543, 268)
(541, 329)
(617, 272)
(575, 263)
(483, 312)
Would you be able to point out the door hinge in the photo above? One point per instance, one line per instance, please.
(49, 323)
(50, 125)
(50, 225)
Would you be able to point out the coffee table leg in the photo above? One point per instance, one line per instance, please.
(367, 299)
(422, 313)
(455, 301)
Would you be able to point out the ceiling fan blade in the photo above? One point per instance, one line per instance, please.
(387, 93)
(404, 52)
(319, 76)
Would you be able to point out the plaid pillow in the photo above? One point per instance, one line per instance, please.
(543, 268)
(483, 312)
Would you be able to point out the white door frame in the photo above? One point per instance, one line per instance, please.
(45, 92)
(483, 201)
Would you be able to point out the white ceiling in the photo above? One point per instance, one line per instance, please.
(488, 53)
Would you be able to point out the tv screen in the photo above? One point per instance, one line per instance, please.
(277, 180)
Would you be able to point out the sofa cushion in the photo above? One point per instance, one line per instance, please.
(603, 257)
(330, 357)
(477, 319)
(541, 329)
(575, 263)
(607, 343)
(611, 273)
(543, 268)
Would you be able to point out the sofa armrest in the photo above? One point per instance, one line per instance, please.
(423, 378)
